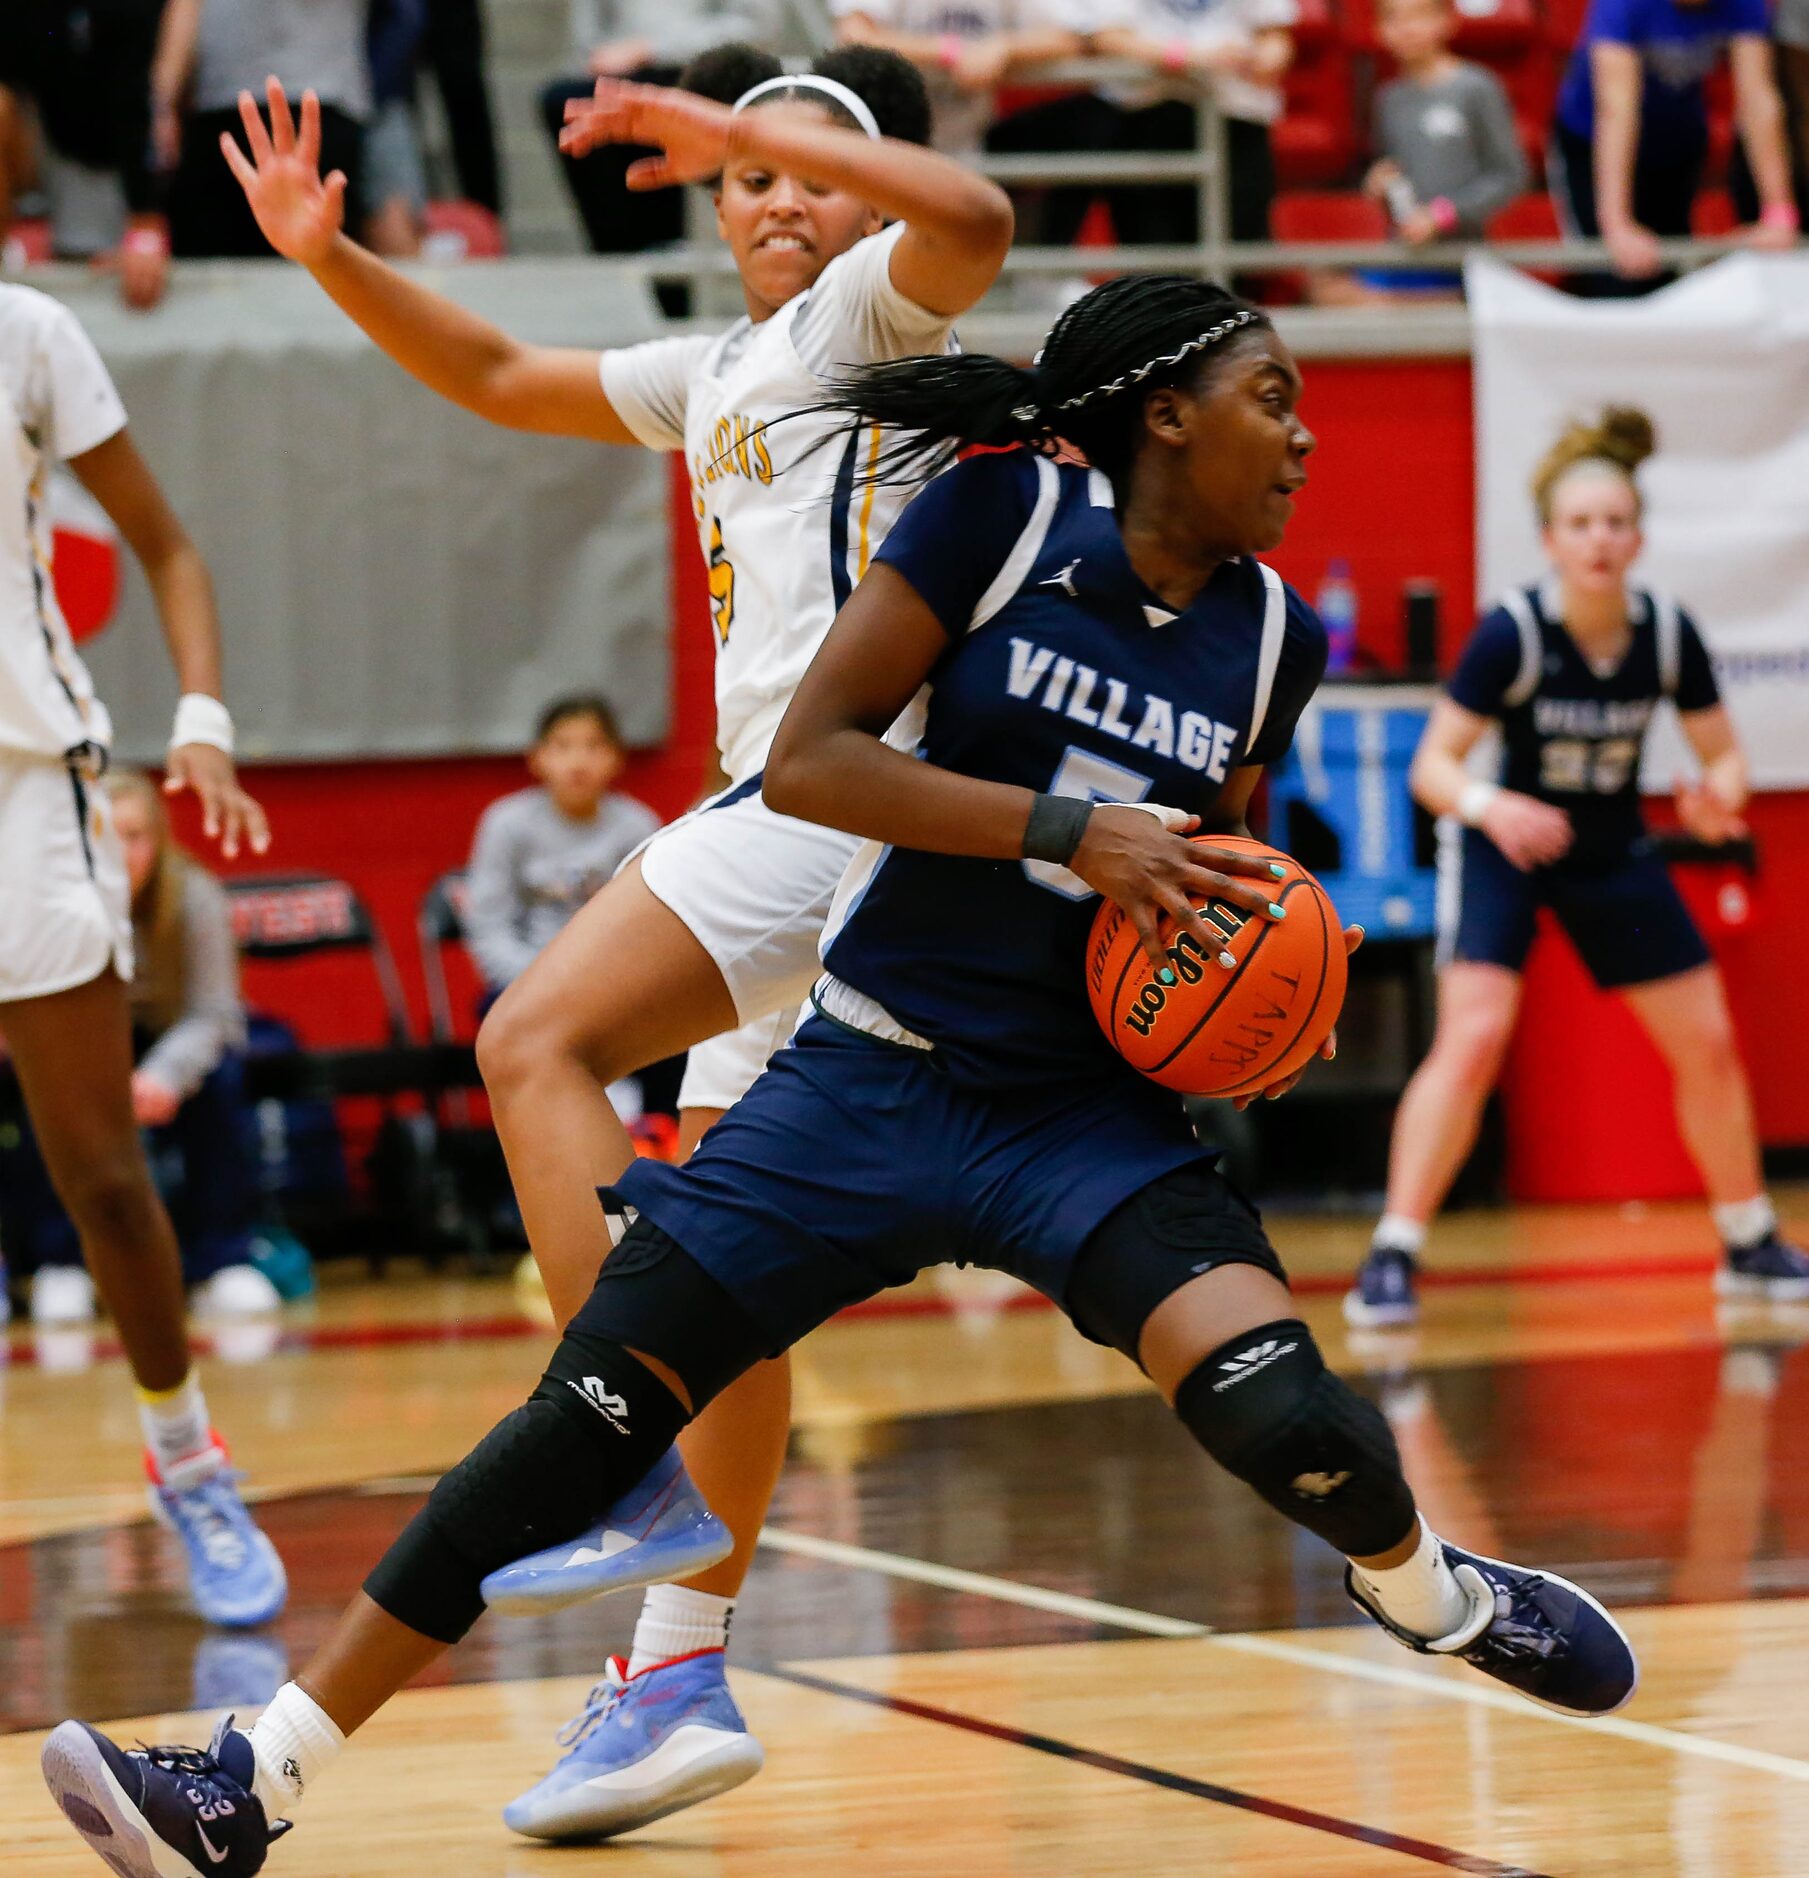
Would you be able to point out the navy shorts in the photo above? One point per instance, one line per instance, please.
(1626, 918)
(853, 1164)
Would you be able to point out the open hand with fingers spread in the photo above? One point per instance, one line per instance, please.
(693, 134)
(228, 815)
(300, 212)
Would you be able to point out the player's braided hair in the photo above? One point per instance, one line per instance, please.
(1621, 438)
(1124, 339)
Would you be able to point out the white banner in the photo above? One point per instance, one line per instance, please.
(1720, 360)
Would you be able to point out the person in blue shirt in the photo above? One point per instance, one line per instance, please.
(1573, 672)
(1630, 131)
(1050, 675)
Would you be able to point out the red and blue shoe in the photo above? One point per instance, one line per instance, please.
(642, 1748)
(234, 1574)
(658, 1531)
(162, 1812)
(1535, 1631)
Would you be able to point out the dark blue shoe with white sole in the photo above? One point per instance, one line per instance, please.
(1772, 1272)
(162, 1812)
(1385, 1295)
(658, 1531)
(1534, 1631)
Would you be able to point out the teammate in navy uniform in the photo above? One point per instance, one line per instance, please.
(1573, 671)
(1075, 641)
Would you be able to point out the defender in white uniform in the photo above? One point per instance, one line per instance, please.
(65, 914)
(713, 927)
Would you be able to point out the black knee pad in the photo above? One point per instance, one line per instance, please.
(597, 1422)
(1267, 1409)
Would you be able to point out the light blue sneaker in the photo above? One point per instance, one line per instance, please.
(667, 1739)
(658, 1531)
(234, 1574)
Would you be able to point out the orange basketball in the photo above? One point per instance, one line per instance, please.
(1218, 1031)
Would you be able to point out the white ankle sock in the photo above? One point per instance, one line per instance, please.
(678, 1622)
(295, 1741)
(176, 1427)
(1399, 1233)
(1422, 1595)
(1745, 1222)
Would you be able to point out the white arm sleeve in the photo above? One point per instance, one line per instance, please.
(855, 316)
(649, 386)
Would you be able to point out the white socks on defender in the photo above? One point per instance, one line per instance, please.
(295, 1741)
(1422, 1595)
(1745, 1222)
(677, 1622)
(1399, 1233)
(177, 1430)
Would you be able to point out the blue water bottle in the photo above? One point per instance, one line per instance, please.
(1336, 605)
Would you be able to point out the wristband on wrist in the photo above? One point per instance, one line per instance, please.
(1055, 828)
(201, 719)
(1473, 804)
(1444, 213)
(1780, 215)
(1175, 56)
(145, 240)
(948, 51)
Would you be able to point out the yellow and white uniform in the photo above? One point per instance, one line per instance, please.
(787, 528)
(65, 912)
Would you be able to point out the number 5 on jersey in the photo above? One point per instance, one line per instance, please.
(722, 584)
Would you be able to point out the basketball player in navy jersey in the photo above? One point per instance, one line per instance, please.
(1094, 666)
(1573, 672)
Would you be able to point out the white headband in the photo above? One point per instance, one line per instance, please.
(850, 101)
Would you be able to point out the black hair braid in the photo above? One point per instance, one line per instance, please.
(1122, 340)
(725, 72)
(888, 84)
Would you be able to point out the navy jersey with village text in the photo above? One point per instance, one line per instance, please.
(1063, 674)
(1572, 732)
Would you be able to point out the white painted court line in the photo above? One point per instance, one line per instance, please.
(1477, 1694)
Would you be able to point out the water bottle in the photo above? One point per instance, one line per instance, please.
(1336, 605)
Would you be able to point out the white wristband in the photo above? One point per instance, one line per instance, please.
(1473, 804)
(201, 719)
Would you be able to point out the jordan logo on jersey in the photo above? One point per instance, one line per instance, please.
(1074, 691)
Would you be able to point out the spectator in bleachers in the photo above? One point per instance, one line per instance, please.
(1631, 130)
(453, 50)
(1790, 27)
(542, 852)
(1447, 153)
(211, 50)
(395, 172)
(650, 41)
(188, 1032)
(87, 70)
(1241, 50)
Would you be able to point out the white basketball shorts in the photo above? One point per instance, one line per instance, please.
(65, 906)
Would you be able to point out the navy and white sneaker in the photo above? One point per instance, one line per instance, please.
(658, 1531)
(234, 1574)
(1774, 1272)
(1534, 1631)
(1384, 1294)
(162, 1812)
(643, 1747)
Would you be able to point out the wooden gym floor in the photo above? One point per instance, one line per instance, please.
(1009, 1621)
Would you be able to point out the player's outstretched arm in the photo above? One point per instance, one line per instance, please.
(957, 224)
(829, 763)
(121, 482)
(552, 389)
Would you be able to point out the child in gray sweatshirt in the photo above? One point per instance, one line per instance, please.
(542, 852)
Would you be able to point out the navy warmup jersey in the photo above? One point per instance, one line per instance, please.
(1571, 734)
(1064, 674)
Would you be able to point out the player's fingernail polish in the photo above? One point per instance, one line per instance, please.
(1276, 868)
(1277, 912)
(1167, 977)
(1228, 960)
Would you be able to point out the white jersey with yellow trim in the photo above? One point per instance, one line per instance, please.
(784, 519)
(56, 402)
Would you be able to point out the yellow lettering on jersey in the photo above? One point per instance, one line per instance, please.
(737, 448)
(763, 462)
(722, 584)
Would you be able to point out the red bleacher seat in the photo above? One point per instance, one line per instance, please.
(1327, 215)
(1527, 218)
(482, 233)
(1712, 214)
(1316, 142)
(33, 239)
(1564, 23)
